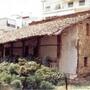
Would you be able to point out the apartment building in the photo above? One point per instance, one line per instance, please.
(64, 7)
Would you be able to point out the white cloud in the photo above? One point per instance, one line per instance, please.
(10, 7)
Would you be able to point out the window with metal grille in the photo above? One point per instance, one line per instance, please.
(57, 7)
(70, 4)
(47, 8)
(81, 2)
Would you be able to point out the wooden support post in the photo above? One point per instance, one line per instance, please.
(11, 51)
(36, 49)
(3, 51)
(58, 45)
(58, 48)
(2, 48)
(23, 48)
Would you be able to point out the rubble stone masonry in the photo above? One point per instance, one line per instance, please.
(84, 46)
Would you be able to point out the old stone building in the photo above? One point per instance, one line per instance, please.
(65, 40)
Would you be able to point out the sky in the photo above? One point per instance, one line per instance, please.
(21, 7)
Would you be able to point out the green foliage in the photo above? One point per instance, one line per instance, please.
(4, 66)
(13, 68)
(32, 67)
(30, 75)
(43, 72)
(47, 74)
(23, 70)
(22, 61)
(16, 83)
(5, 77)
(45, 85)
(55, 77)
(15, 77)
(31, 82)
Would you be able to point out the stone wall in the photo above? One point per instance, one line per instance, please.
(48, 47)
(68, 58)
(84, 47)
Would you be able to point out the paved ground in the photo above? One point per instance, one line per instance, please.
(70, 87)
(81, 83)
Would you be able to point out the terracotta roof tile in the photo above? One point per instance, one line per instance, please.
(52, 27)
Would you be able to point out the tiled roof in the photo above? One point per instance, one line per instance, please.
(50, 27)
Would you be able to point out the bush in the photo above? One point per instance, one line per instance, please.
(32, 67)
(29, 75)
(55, 78)
(13, 68)
(23, 71)
(50, 75)
(22, 61)
(16, 83)
(15, 77)
(4, 66)
(30, 82)
(45, 85)
(5, 77)
(43, 72)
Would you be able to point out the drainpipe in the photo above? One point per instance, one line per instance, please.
(77, 56)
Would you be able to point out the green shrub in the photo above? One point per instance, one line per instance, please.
(55, 78)
(23, 71)
(32, 67)
(13, 68)
(31, 82)
(8, 79)
(22, 61)
(30, 75)
(15, 77)
(22, 78)
(4, 66)
(50, 75)
(5, 77)
(45, 85)
(43, 72)
(16, 83)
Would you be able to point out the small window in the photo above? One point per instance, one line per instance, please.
(87, 29)
(70, 4)
(47, 7)
(57, 7)
(81, 2)
(85, 61)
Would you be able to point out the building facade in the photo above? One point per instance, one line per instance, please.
(64, 40)
(63, 7)
(15, 22)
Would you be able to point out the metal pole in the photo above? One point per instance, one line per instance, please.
(66, 82)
